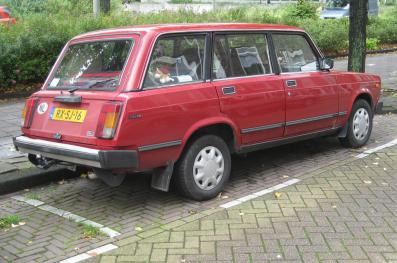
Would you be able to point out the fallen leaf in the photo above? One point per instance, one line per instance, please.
(138, 228)
(30, 242)
(225, 197)
(92, 254)
(22, 223)
(367, 182)
(12, 225)
(277, 194)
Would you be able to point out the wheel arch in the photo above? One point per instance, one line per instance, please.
(222, 127)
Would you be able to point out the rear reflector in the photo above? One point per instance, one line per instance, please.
(27, 112)
(108, 120)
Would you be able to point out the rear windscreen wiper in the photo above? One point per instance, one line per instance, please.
(100, 82)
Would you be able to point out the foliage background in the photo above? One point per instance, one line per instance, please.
(29, 48)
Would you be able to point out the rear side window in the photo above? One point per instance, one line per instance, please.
(176, 60)
(240, 55)
(294, 53)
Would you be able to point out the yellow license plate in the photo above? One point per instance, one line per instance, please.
(62, 114)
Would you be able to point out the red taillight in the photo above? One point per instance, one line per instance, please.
(108, 120)
(27, 112)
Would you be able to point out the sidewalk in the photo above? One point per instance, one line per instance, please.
(345, 212)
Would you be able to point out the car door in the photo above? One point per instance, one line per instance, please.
(311, 95)
(249, 92)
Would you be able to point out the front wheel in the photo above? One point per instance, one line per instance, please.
(359, 125)
(204, 168)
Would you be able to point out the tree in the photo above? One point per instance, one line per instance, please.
(357, 35)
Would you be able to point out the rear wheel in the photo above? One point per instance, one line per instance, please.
(204, 168)
(359, 125)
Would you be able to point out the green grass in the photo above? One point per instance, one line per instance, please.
(90, 231)
(32, 196)
(7, 221)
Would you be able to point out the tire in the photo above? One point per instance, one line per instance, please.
(358, 132)
(200, 160)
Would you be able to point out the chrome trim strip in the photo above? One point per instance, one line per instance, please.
(317, 118)
(159, 146)
(263, 128)
(290, 123)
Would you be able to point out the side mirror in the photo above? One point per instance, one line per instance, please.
(326, 64)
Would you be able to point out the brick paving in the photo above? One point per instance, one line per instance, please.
(345, 214)
(133, 205)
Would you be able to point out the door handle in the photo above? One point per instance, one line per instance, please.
(291, 83)
(229, 90)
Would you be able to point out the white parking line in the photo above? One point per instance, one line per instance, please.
(383, 146)
(259, 193)
(63, 213)
(90, 254)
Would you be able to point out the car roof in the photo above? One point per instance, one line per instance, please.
(169, 28)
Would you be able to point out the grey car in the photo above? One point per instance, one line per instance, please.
(335, 9)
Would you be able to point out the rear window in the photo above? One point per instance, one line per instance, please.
(92, 65)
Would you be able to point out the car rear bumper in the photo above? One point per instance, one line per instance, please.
(105, 159)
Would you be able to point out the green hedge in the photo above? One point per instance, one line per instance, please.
(28, 49)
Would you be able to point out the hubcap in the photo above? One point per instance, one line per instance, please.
(360, 124)
(208, 168)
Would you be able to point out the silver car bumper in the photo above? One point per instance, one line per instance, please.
(106, 159)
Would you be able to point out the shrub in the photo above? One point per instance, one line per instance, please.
(302, 9)
(29, 48)
(372, 43)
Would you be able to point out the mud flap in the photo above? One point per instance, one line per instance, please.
(109, 178)
(161, 177)
(343, 132)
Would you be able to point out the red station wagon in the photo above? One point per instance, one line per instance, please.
(180, 99)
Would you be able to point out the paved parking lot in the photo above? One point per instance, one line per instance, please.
(134, 210)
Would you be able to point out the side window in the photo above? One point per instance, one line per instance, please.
(294, 53)
(176, 59)
(240, 55)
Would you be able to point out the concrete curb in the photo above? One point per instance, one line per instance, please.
(26, 178)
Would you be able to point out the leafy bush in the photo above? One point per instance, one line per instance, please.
(302, 9)
(372, 43)
(29, 48)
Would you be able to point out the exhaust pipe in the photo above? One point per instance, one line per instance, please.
(40, 161)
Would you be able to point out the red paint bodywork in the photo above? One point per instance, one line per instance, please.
(5, 17)
(175, 113)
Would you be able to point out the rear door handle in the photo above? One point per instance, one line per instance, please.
(291, 83)
(229, 90)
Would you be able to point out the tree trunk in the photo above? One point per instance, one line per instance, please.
(357, 35)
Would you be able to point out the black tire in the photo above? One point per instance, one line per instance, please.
(350, 140)
(184, 178)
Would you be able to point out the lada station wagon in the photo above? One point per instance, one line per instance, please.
(179, 99)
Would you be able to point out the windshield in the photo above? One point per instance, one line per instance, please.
(92, 65)
(336, 3)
